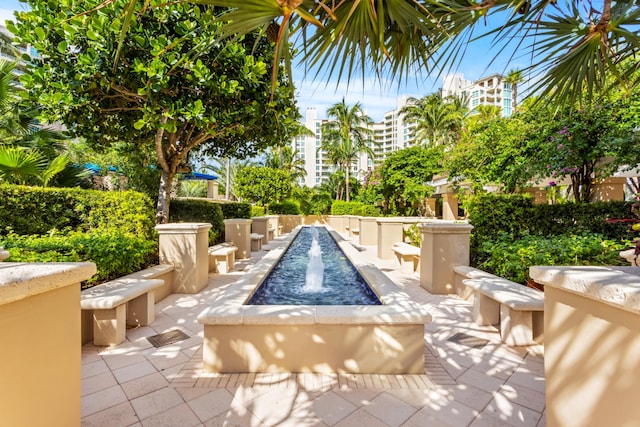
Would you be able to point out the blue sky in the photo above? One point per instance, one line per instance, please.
(375, 98)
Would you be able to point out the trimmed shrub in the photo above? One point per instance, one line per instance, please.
(367, 210)
(191, 210)
(511, 257)
(340, 207)
(114, 253)
(36, 210)
(257, 211)
(288, 207)
(236, 210)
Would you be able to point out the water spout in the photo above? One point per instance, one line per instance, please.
(315, 268)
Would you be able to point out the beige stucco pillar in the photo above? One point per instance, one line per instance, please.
(212, 189)
(185, 246)
(40, 359)
(445, 244)
(354, 224)
(591, 345)
(368, 230)
(274, 225)
(238, 231)
(430, 206)
(337, 222)
(390, 231)
(449, 206)
(260, 225)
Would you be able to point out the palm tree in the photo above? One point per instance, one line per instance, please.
(435, 119)
(514, 77)
(346, 136)
(573, 45)
(286, 159)
(226, 170)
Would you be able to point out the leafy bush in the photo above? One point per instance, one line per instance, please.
(511, 257)
(257, 211)
(367, 210)
(288, 207)
(34, 210)
(340, 207)
(414, 235)
(236, 210)
(495, 214)
(114, 253)
(191, 210)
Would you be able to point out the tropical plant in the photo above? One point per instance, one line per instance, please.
(227, 170)
(262, 185)
(436, 119)
(176, 89)
(345, 136)
(404, 174)
(514, 77)
(286, 159)
(572, 44)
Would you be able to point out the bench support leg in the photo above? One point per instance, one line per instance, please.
(516, 327)
(109, 326)
(486, 311)
(141, 310)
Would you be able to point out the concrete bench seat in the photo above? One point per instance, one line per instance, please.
(356, 231)
(271, 233)
(407, 256)
(518, 309)
(256, 241)
(222, 258)
(118, 303)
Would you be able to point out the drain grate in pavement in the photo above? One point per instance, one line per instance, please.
(167, 338)
(468, 340)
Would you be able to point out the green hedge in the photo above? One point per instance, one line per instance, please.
(288, 207)
(511, 258)
(511, 233)
(236, 210)
(367, 210)
(494, 214)
(199, 211)
(340, 207)
(114, 253)
(257, 211)
(38, 211)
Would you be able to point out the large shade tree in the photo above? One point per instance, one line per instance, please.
(345, 136)
(175, 86)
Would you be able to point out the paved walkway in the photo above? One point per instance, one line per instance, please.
(471, 379)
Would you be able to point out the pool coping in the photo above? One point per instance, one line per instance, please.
(397, 307)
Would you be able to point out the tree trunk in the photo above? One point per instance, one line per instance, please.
(346, 183)
(164, 194)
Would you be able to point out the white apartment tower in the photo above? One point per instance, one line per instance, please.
(492, 90)
(390, 135)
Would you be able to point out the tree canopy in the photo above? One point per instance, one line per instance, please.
(262, 185)
(175, 88)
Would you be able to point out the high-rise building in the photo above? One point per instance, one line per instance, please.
(492, 90)
(389, 135)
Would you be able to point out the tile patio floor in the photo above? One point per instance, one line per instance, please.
(136, 384)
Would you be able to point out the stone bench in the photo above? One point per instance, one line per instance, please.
(407, 256)
(271, 232)
(256, 241)
(518, 309)
(118, 303)
(222, 258)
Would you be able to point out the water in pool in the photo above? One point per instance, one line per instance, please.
(287, 282)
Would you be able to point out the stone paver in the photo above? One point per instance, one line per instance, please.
(137, 384)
